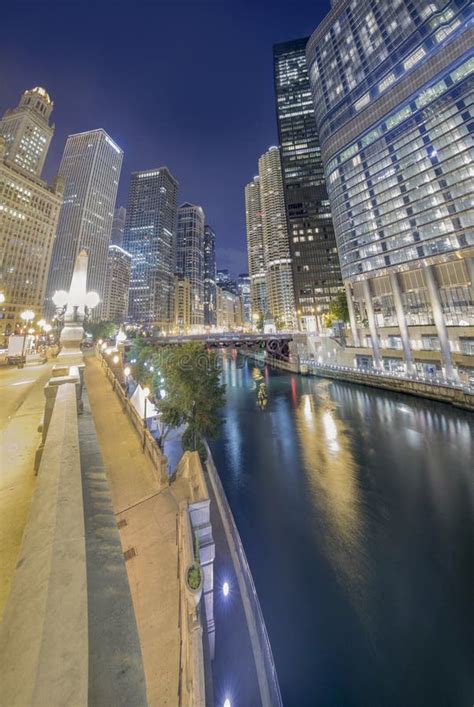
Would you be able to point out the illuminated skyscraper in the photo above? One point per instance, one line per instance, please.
(27, 131)
(316, 272)
(278, 274)
(210, 274)
(119, 263)
(190, 257)
(149, 237)
(90, 167)
(118, 225)
(243, 285)
(392, 90)
(255, 251)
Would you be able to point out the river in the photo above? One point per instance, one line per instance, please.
(356, 511)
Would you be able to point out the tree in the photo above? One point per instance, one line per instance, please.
(141, 353)
(193, 393)
(101, 330)
(338, 310)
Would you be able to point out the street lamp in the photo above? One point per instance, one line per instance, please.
(27, 316)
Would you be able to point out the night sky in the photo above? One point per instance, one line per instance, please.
(183, 84)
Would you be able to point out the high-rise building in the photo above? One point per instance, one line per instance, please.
(119, 263)
(190, 256)
(230, 315)
(225, 280)
(182, 304)
(243, 285)
(27, 131)
(392, 89)
(316, 272)
(29, 212)
(210, 274)
(255, 251)
(90, 167)
(118, 225)
(149, 237)
(279, 278)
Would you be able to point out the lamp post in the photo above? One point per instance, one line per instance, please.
(27, 316)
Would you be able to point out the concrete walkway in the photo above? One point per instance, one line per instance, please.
(21, 392)
(147, 519)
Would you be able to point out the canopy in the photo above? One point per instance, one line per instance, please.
(138, 402)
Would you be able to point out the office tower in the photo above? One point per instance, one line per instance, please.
(182, 304)
(118, 225)
(226, 281)
(230, 315)
(278, 274)
(149, 236)
(243, 285)
(210, 274)
(255, 252)
(393, 101)
(316, 272)
(27, 131)
(90, 167)
(29, 212)
(190, 257)
(119, 263)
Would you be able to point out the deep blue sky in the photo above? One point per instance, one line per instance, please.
(183, 84)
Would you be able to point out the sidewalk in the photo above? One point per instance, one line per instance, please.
(23, 404)
(147, 519)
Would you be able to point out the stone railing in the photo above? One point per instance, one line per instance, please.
(44, 634)
(443, 392)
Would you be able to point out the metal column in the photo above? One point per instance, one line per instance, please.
(352, 319)
(402, 324)
(433, 291)
(372, 325)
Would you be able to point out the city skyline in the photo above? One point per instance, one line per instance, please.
(167, 136)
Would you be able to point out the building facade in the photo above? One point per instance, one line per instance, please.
(278, 269)
(118, 225)
(230, 315)
(226, 281)
(149, 237)
(119, 264)
(315, 262)
(29, 212)
(190, 256)
(392, 89)
(243, 284)
(210, 274)
(182, 304)
(256, 252)
(27, 131)
(90, 167)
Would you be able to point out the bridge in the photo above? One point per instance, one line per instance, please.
(276, 345)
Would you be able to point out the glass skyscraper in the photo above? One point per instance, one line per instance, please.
(316, 272)
(190, 257)
(392, 89)
(90, 167)
(149, 237)
(255, 251)
(210, 274)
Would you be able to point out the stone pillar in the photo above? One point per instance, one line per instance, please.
(402, 324)
(433, 292)
(352, 319)
(372, 325)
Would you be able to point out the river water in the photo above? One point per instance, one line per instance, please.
(356, 511)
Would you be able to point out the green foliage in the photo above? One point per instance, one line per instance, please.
(194, 577)
(338, 310)
(142, 352)
(194, 393)
(101, 330)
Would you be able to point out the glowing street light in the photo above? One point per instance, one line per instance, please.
(227, 702)
(115, 359)
(42, 323)
(2, 298)
(225, 589)
(127, 371)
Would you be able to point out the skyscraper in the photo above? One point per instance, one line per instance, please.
(255, 251)
(90, 167)
(118, 225)
(190, 256)
(225, 281)
(27, 131)
(394, 108)
(119, 263)
(278, 274)
(243, 285)
(316, 272)
(29, 212)
(210, 274)
(149, 237)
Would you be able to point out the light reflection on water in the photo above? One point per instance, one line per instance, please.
(355, 507)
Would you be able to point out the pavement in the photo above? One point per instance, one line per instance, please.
(147, 519)
(21, 412)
